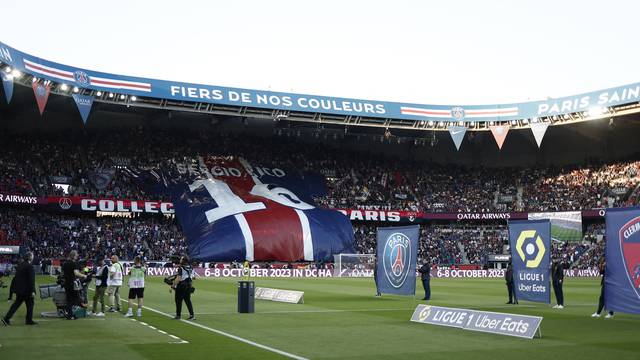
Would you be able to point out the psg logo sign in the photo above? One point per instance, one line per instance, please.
(396, 259)
(81, 78)
(629, 236)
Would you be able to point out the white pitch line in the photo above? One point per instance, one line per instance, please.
(162, 332)
(220, 332)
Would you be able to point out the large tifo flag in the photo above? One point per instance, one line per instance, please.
(530, 243)
(622, 273)
(397, 256)
(233, 214)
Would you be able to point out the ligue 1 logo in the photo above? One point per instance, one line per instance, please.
(630, 247)
(81, 77)
(396, 258)
(424, 313)
(457, 113)
(530, 248)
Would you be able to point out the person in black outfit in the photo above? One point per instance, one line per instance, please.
(425, 276)
(25, 290)
(12, 288)
(183, 288)
(557, 277)
(71, 272)
(601, 267)
(508, 276)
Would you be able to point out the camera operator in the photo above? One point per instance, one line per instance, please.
(102, 273)
(71, 273)
(25, 290)
(182, 286)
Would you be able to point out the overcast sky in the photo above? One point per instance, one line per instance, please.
(430, 52)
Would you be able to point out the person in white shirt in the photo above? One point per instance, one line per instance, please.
(114, 282)
(136, 286)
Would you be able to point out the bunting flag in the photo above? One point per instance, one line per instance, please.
(499, 133)
(457, 134)
(7, 83)
(84, 104)
(42, 95)
(539, 129)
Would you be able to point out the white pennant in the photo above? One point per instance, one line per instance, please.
(539, 129)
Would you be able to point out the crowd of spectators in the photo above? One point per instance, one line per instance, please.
(95, 164)
(52, 236)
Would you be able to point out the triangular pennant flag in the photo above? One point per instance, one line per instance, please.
(499, 133)
(7, 83)
(42, 95)
(457, 134)
(84, 104)
(539, 129)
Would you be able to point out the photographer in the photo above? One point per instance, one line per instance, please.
(25, 289)
(182, 286)
(72, 286)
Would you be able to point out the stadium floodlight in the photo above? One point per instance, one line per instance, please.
(99, 93)
(460, 123)
(596, 111)
(430, 122)
(35, 79)
(76, 89)
(16, 73)
(64, 87)
(7, 69)
(134, 98)
(111, 95)
(514, 123)
(492, 123)
(122, 96)
(525, 121)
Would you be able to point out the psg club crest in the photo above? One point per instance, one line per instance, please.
(396, 259)
(457, 113)
(65, 203)
(629, 236)
(81, 78)
(41, 91)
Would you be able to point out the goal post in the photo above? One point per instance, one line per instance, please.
(354, 265)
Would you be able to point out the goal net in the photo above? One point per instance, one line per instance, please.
(354, 265)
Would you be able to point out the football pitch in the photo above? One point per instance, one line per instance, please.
(340, 319)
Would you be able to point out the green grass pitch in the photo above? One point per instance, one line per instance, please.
(340, 319)
(565, 234)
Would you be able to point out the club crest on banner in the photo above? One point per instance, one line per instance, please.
(396, 258)
(457, 113)
(81, 78)
(65, 203)
(629, 237)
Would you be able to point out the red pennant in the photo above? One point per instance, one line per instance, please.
(42, 95)
(499, 133)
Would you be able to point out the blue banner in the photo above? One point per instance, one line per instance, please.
(530, 243)
(84, 104)
(7, 84)
(173, 90)
(397, 256)
(622, 254)
(457, 135)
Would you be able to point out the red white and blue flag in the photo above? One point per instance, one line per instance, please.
(235, 215)
(82, 79)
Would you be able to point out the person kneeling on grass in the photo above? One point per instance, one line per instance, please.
(136, 286)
